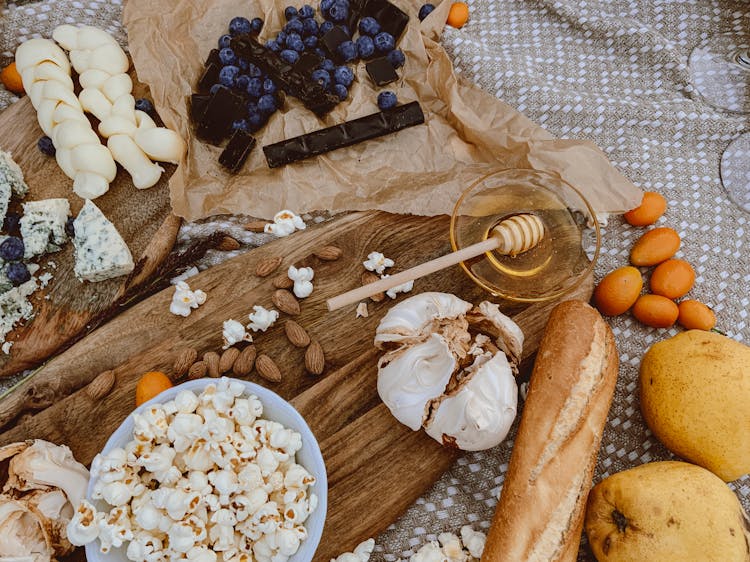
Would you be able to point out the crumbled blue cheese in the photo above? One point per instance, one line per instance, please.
(43, 226)
(100, 251)
(15, 306)
(11, 182)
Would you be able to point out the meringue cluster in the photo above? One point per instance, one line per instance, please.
(204, 479)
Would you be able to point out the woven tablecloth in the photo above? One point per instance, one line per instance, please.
(615, 72)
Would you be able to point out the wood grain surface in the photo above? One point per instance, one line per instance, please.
(376, 467)
(65, 307)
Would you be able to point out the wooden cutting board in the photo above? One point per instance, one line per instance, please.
(376, 467)
(65, 306)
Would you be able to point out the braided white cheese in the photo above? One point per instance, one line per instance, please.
(45, 72)
(133, 138)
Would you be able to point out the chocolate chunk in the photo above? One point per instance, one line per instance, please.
(310, 93)
(381, 71)
(344, 134)
(390, 17)
(213, 57)
(307, 62)
(209, 78)
(198, 103)
(332, 40)
(224, 107)
(237, 150)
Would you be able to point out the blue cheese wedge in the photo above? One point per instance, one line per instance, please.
(100, 251)
(11, 182)
(15, 306)
(43, 226)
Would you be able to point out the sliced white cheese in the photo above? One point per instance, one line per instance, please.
(100, 251)
(43, 226)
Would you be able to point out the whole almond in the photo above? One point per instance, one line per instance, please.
(267, 266)
(286, 302)
(369, 277)
(283, 282)
(267, 368)
(227, 359)
(256, 226)
(245, 362)
(296, 334)
(211, 359)
(185, 358)
(197, 370)
(315, 360)
(101, 385)
(227, 244)
(328, 253)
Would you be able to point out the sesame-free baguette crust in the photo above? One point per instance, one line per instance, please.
(540, 513)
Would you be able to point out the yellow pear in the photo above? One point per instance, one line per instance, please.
(666, 512)
(695, 391)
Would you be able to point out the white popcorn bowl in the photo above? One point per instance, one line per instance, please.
(275, 408)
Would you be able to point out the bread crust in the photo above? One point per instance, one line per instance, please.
(539, 516)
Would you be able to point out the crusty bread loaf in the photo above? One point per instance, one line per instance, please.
(540, 513)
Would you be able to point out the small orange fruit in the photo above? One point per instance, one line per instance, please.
(672, 279)
(618, 290)
(149, 385)
(694, 315)
(655, 311)
(648, 212)
(458, 15)
(11, 79)
(655, 246)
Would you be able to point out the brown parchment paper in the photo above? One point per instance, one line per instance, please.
(421, 170)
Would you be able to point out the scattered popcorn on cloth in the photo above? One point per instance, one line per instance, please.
(284, 223)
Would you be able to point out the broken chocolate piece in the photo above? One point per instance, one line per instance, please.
(209, 78)
(307, 62)
(310, 93)
(198, 103)
(391, 18)
(332, 40)
(344, 134)
(237, 150)
(213, 57)
(381, 71)
(221, 110)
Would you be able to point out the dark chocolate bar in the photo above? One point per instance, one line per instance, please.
(391, 18)
(307, 62)
(356, 9)
(221, 110)
(198, 103)
(310, 93)
(381, 71)
(213, 57)
(332, 40)
(209, 78)
(237, 150)
(344, 134)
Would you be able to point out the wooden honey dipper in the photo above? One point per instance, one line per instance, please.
(512, 236)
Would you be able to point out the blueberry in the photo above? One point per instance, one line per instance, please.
(309, 27)
(239, 25)
(343, 75)
(369, 26)
(45, 145)
(11, 223)
(241, 125)
(294, 26)
(255, 121)
(253, 71)
(291, 38)
(256, 25)
(425, 11)
(267, 104)
(296, 44)
(310, 42)
(255, 87)
(228, 74)
(290, 12)
(396, 58)
(269, 86)
(214, 89)
(328, 65)
(281, 38)
(325, 27)
(224, 41)
(387, 100)
(227, 56)
(272, 45)
(243, 64)
(325, 5)
(339, 10)
(348, 51)
(384, 42)
(306, 12)
(242, 81)
(70, 228)
(289, 56)
(17, 273)
(341, 91)
(322, 77)
(365, 47)
(11, 249)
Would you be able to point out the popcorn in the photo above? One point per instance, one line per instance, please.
(302, 278)
(184, 300)
(449, 547)
(362, 311)
(473, 541)
(403, 288)
(361, 553)
(377, 262)
(284, 223)
(84, 526)
(261, 319)
(114, 529)
(234, 332)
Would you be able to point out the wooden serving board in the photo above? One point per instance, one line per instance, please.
(65, 306)
(376, 466)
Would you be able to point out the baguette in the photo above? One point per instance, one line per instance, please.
(540, 513)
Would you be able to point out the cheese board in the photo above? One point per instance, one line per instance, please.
(376, 466)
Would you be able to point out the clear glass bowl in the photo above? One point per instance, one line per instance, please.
(560, 262)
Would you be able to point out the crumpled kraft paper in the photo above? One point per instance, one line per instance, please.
(421, 170)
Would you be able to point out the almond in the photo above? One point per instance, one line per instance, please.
(286, 302)
(283, 282)
(245, 362)
(211, 359)
(267, 368)
(197, 370)
(267, 266)
(185, 358)
(227, 359)
(256, 226)
(227, 244)
(101, 385)
(315, 360)
(328, 253)
(296, 334)
(369, 277)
